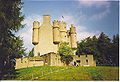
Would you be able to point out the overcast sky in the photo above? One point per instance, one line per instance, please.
(89, 17)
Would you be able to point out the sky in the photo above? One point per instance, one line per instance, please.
(89, 17)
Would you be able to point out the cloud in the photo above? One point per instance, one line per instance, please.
(100, 15)
(82, 33)
(81, 28)
(94, 3)
(26, 32)
(97, 4)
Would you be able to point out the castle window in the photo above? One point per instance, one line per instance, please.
(39, 54)
(78, 55)
(78, 61)
(86, 60)
(25, 61)
(86, 55)
(21, 60)
(68, 43)
(67, 36)
(69, 33)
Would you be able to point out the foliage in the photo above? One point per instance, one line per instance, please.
(31, 53)
(11, 47)
(104, 50)
(65, 52)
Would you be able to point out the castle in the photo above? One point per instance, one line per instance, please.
(46, 40)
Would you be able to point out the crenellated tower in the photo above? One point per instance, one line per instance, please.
(63, 30)
(35, 37)
(56, 32)
(73, 38)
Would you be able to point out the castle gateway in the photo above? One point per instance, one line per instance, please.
(46, 40)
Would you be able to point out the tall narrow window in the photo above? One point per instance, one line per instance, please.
(68, 43)
(38, 53)
(67, 36)
(86, 60)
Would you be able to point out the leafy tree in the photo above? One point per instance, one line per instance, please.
(65, 52)
(31, 53)
(11, 47)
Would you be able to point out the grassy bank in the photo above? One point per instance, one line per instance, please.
(71, 74)
(31, 72)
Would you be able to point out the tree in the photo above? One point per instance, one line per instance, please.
(115, 50)
(11, 47)
(104, 45)
(88, 46)
(65, 52)
(31, 53)
(101, 48)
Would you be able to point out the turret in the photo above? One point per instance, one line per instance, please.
(73, 38)
(35, 32)
(63, 26)
(56, 32)
(63, 31)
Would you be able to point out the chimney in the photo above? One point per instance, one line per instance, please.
(46, 19)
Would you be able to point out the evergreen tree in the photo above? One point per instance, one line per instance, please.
(11, 47)
(104, 45)
(88, 46)
(115, 50)
(31, 53)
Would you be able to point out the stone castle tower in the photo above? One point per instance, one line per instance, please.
(46, 38)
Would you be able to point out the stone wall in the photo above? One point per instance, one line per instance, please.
(28, 62)
(84, 60)
(53, 59)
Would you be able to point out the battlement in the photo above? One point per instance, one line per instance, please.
(72, 29)
(36, 24)
(55, 23)
(62, 25)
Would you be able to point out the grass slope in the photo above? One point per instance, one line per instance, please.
(71, 74)
(85, 73)
(31, 72)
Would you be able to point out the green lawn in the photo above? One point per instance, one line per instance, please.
(71, 74)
